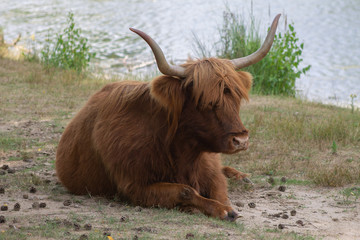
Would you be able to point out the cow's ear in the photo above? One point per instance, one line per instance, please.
(167, 91)
(246, 79)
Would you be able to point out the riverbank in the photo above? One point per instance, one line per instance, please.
(314, 146)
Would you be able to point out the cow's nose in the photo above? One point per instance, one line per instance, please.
(240, 143)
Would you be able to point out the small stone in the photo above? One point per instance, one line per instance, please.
(335, 219)
(300, 222)
(252, 205)
(239, 204)
(83, 237)
(42, 205)
(189, 236)
(5, 167)
(32, 189)
(25, 196)
(271, 180)
(285, 216)
(88, 227)
(281, 226)
(2, 219)
(67, 202)
(293, 212)
(282, 188)
(11, 171)
(36, 205)
(283, 179)
(4, 208)
(2, 190)
(17, 207)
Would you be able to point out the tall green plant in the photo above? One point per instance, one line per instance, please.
(69, 50)
(277, 72)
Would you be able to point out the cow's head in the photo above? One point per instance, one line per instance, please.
(202, 97)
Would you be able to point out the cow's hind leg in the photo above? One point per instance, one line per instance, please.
(170, 195)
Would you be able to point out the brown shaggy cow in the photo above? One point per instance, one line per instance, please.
(158, 143)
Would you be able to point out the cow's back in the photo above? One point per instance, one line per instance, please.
(79, 166)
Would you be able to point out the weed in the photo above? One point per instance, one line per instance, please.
(352, 96)
(334, 148)
(351, 194)
(70, 51)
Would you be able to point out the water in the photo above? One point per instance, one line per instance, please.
(329, 29)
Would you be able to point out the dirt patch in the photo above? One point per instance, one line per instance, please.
(305, 210)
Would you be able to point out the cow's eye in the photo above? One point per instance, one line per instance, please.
(227, 90)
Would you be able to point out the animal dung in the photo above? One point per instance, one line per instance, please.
(2, 190)
(271, 180)
(87, 227)
(32, 189)
(67, 203)
(282, 188)
(17, 207)
(293, 212)
(2, 219)
(281, 226)
(5, 167)
(42, 205)
(252, 205)
(301, 223)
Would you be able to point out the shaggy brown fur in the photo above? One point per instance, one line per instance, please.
(158, 143)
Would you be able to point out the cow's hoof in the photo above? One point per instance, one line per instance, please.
(247, 180)
(232, 216)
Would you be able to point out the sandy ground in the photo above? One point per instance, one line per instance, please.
(318, 211)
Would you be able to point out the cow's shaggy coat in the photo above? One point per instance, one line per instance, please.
(158, 143)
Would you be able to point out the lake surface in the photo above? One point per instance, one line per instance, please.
(329, 29)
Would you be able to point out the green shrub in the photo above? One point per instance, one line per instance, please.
(69, 50)
(277, 72)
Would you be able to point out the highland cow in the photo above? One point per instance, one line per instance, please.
(158, 144)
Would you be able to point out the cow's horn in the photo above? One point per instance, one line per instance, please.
(261, 52)
(163, 65)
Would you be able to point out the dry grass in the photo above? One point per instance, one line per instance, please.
(295, 138)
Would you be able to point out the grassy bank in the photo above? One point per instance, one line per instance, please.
(309, 143)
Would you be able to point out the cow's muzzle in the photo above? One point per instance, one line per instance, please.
(239, 143)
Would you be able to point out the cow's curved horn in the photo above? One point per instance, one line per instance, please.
(261, 52)
(163, 65)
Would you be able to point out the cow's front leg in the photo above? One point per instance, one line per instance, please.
(170, 195)
(230, 172)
